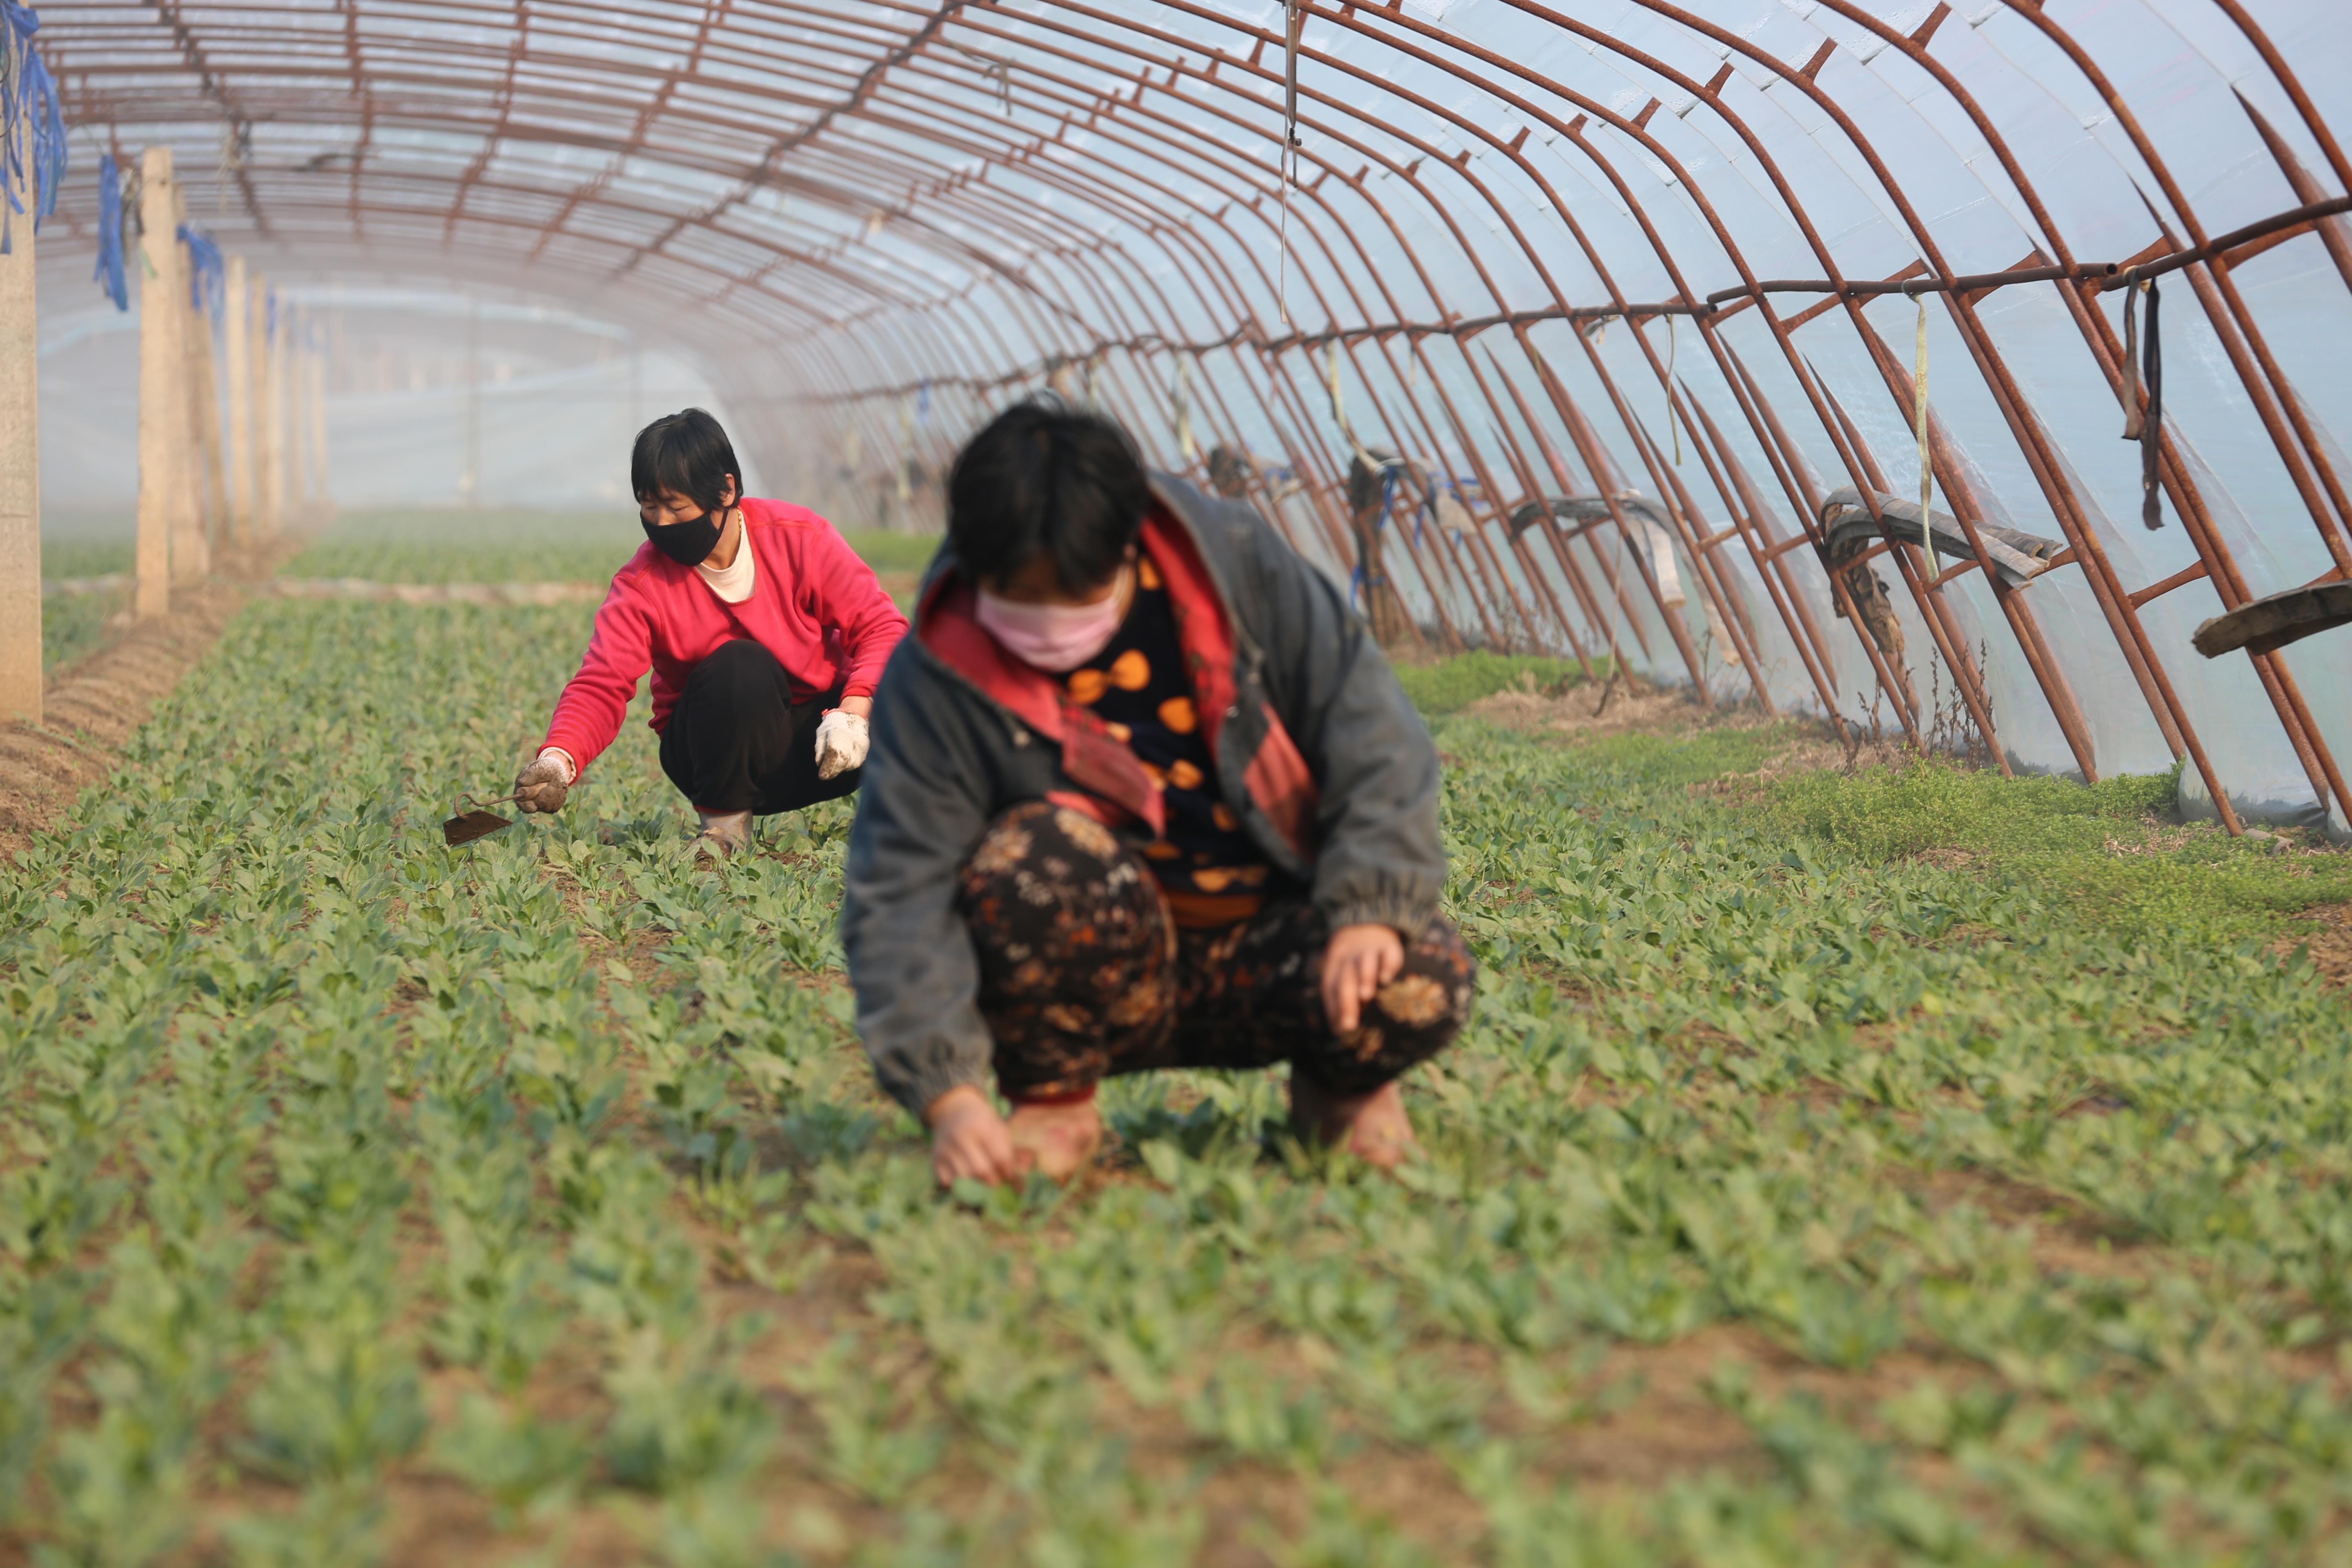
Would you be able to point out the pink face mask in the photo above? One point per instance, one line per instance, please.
(1054, 637)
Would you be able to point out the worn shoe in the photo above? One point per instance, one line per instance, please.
(723, 833)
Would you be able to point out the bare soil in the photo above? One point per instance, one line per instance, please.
(92, 706)
(2328, 937)
(1638, 708)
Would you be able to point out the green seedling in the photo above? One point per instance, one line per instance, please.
(312, 1130)
(528, 1467)
(877, 1442)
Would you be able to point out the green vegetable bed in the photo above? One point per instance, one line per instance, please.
(1910, 1168)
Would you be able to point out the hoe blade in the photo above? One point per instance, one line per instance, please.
(472, 824)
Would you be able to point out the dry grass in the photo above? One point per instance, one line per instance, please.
(2329, 943)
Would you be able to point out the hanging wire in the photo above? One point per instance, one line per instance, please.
(233, 141)
(1294, 21)
(1673, 426)
(108, 273)
(994, 70)
(1919, 412)
(1616, 653)
(32, 124)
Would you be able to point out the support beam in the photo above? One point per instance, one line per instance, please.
(162, 385)
(236, 339)
(192, 554)
(268, 429)
(204, 369)
(20, 476)
(323, 492)
(295, 323)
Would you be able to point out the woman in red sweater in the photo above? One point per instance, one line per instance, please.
(764, 631)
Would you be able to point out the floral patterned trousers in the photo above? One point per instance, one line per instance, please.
(1083, 974)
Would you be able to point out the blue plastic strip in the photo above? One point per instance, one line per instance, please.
(207, 276)
(36, 163)
(107, 274)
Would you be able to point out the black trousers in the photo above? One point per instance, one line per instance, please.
(737, 741)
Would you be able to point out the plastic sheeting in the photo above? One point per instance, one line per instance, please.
(544, 406)
(1513, 230)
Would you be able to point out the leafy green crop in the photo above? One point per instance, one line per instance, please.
(75, 624)
(1913, 1167)
(1453, 684)
(496, 546)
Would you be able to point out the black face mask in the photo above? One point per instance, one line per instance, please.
(689, 541)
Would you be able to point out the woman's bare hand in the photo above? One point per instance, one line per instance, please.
(968, 1138)
(1358, 962)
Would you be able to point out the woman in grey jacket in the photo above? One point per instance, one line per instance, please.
(1142, 793)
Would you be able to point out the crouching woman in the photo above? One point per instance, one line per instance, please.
(1142, 793)
(764, 631)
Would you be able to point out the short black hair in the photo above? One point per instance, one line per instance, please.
(686, 452)
(1046, 478)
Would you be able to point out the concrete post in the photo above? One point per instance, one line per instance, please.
(162, 386)
(236, 338)
(265, 517)
(323, 493)
(300, 476)
(20, 473)
(204, 366)
(273, 416)
(192, 554)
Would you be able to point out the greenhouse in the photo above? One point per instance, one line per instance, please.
(1853, 495)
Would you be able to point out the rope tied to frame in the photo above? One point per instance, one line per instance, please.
(2147, 429)
(1339, 408)
(1185, 443)
(994, 70)
(1919, 420)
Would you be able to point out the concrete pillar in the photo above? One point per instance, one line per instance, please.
(20, 471)
(257, 331)
(192, 553)
(265, 521)
(273, 417)
(162, 386)
(203, 368)
(323, 492)
(237, 341)
(297, 323)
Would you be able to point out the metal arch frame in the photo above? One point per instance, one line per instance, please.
(981, 289)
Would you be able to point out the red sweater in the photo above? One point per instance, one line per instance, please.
(815, 605)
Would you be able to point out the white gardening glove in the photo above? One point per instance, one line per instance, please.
(840, 743)
(541, 787)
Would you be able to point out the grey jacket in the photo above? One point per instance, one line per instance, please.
(946, 757)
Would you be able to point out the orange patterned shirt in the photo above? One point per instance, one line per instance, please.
(1208, 865)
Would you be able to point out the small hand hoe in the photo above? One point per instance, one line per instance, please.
(477, 822)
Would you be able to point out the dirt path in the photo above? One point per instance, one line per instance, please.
(93, 705)
(1638, 708)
